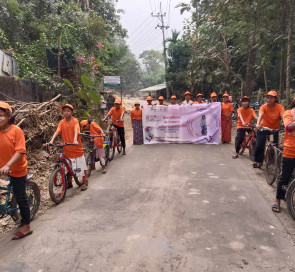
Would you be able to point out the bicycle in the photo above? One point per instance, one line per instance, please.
(249, 142)
(290, 196)
(58, 180)
(10, 206)
(114, 140)
(91, 151)
(273, 158)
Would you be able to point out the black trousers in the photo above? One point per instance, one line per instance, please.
(19, 191)
(287, 171)
(240, 137)
(121, 132)
(260, 144)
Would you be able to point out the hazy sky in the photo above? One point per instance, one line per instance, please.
(141, 25)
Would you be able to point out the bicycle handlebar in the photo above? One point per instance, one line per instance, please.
(269, 129)
(57, 145)
(91, 136)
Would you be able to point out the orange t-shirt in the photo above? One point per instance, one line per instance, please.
(289, 140)
(96, 130)
(116, 115)
(136, 114)
(67, 131)
(271, 116)
(13, 141)
(226, 108)
(247, 115)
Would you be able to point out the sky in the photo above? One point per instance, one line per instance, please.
(141, 25)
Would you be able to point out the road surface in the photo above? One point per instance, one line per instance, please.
(162, 208)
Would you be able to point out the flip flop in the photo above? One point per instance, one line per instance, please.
(235, 156)
(276, 208)
(20, 235)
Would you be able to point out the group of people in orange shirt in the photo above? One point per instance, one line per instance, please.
(13, 160)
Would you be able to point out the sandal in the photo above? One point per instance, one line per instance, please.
(104, 171)
(256, 165)
(276, 208)
(84, 186)
(20, 235)
(235, 156)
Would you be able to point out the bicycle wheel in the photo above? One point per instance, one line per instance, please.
(107, 150)
(119, 146)
(88, 159)
(252, 147)
(57, 186)
(290, 199)
(112, 149)
(33, 193)
(271, 164)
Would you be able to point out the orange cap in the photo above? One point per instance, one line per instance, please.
(173, 97)
(272, 93)
(137, 103)
(161, 98)
(245, 97)
(199, 94)
(4, 105)
(225, 95)
(187, 93)
(149, 98)
(83, 123)
(117, 101)
(213, 94)
(67, 106)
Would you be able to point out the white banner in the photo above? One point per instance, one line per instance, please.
(197, 124)
(112, 80)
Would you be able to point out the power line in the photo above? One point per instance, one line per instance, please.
(148, 17)
(144, 45)
(151, 6)
(169, 12)
(143, 33)
(147, 39)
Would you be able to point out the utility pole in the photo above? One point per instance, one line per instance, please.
(162, 26)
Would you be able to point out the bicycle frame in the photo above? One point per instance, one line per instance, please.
(3, 207)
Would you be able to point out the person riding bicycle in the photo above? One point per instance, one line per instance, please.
(213, 97)
(70, 131)
(288, 156)
(270, 115)
(117, 114)
(187, 100)
(96, 130)
(13, 162)
(245, 117)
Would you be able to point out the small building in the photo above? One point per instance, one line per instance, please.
(154, 91)
(8, 65)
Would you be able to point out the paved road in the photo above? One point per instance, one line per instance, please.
(162, 208)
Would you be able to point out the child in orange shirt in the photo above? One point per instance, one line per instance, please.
(199, 99)
(96, 130)
(70, 130)
(245, 115)
(117, 114)
(288, 156)
(13, 159)
(136, 120)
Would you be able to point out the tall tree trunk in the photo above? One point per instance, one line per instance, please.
(265, 78)
(249, 80)
(289, 48)
(282, 75)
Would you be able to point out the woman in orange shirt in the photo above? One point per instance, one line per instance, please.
(13, 159)
(136, 120)
(226, 119)
(245, 117)
(270, 115)
(161, 100)
(199, 99)
(288, 156)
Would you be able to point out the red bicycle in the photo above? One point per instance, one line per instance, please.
(249, 142)
(114, 140)
(58, 181)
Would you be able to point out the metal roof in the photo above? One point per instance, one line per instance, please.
(154, 88)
